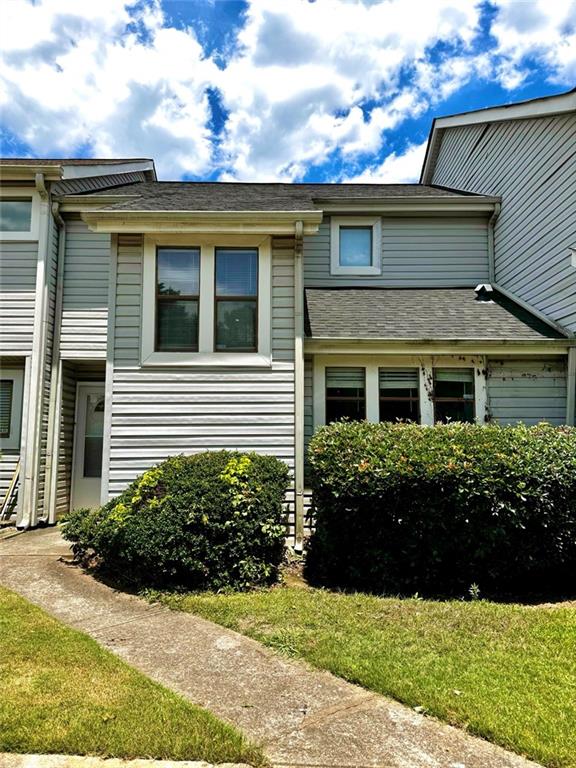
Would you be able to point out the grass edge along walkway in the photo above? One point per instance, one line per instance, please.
(503, 672)
(60, 692)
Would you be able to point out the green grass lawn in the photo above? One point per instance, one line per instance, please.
(505, 672)
(61, 693)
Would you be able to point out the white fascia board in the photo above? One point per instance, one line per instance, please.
(106, 169)
(232, 222)
(28, 172)
(555, 105)
(437, 346)
(464, 204)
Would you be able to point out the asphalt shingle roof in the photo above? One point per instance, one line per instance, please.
(231, 196)
(419, 313)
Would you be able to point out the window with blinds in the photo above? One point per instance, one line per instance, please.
(345, 394)
(6, 394)
(177, 299)
(454, 394)
(399, 394)
(236, 300)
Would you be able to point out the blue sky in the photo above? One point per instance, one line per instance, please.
(260, 90)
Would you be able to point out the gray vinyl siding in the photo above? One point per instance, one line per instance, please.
(417, 251)
(532, 165)
(85, 292)
(18, 264)
(527, 390)
(159, 412)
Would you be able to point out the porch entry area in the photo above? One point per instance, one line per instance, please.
(81, 435)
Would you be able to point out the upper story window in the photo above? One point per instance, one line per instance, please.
(236, 300)
(454, 394)
(399, 394)
(10, 408)
(19, 214)
(177, 299)
(355, 246)
(206, 300)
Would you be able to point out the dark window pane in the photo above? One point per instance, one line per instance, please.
(6, 392)
(15, 215)
(236, 325)
(446, 410)
(345, 394)
(355, 246)
(177, 325)
(399, 410)
(236, 272)
(178, 271)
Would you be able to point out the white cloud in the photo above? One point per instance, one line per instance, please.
(307, 81)
(395, 169)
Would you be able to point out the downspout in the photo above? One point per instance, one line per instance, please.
(491, 250)
(54, 408)
(571, 388)
(28, 511)
(298, 386)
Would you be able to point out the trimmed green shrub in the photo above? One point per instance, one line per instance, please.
(401, 508)
(214, 520)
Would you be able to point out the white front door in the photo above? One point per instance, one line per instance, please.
(88, 434)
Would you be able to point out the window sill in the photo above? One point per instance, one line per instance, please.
(355, 271)
(208, 359)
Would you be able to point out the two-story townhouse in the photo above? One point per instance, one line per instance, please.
(241, 316)
(52, 313)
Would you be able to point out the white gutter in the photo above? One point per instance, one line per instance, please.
(28, 511)
(298, 386)
(55, 406)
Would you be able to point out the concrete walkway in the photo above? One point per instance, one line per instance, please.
(71, 761)
(303, 717)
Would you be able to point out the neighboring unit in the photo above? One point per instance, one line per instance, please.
(141, 319)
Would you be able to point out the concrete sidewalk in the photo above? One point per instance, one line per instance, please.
(71, 761)
(302, 716)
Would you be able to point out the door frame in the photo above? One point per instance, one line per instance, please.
(78, 445)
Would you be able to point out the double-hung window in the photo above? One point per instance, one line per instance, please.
(236, 300)
(355, 246)
(177, 299)
(11, 381)
(454, 394)
(345, 394)
(399, 394)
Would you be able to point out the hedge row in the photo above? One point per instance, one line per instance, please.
(210, 521)
(401, 508)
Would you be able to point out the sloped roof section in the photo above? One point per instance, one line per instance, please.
(229, 196)
(445, 314)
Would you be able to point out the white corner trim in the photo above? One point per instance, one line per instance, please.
(16, 376)
(9, 193)
(206, 356)
(355, 221)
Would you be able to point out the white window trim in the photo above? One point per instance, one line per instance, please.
(16, 375)
(336, 222)
(206, 356)
(425, 365)
(9, 193)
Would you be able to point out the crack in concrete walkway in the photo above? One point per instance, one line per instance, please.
(304, 717)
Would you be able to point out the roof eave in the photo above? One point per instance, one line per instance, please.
(254, 222)
(17, 172)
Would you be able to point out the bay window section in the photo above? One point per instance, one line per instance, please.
(399, 394)
(454, 394)
(177, 299)
(345, 394)
(236, 300)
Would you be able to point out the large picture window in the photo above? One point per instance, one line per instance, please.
(454, 394)
(236, 300)
(345, 394)
(399, 394)
(177, 299)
